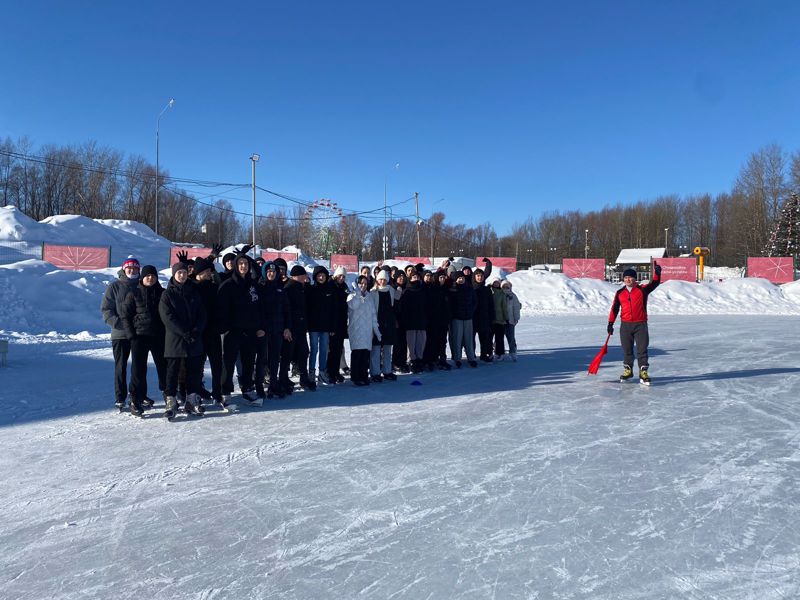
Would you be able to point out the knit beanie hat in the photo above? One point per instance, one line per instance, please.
(382, 275)
(340, 270)
(131, 261)
(149, 270)
(227, 257)
(179, 266)
(629, 273)
(201, 264)
(297, 270)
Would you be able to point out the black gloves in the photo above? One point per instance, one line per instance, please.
(245, 249)
(485, 260)
(657, 269)
(188, 338)
(610, 328)
(183, 256)
(215, 250)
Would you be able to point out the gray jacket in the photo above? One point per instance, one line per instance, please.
(111, 306)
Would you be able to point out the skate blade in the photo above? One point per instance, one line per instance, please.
(642, 382)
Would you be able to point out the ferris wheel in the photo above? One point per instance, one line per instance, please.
(324, 218)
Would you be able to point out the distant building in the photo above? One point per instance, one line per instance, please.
(638, 259)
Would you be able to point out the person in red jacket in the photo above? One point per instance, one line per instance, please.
(631, 300)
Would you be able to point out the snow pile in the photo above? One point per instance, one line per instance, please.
(124, 237)
(552, 293)
(37, 299)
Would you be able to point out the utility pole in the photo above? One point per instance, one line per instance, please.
(416, 201)
(254, 158)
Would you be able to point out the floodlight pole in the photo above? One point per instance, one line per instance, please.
(158, 129)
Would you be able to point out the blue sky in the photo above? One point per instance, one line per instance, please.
(504, 109)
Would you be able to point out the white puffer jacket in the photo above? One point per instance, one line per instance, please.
(513, 306)
(362, 321)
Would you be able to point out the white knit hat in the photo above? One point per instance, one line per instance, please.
(340, 270)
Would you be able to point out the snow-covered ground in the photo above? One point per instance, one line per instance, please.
(516, 480)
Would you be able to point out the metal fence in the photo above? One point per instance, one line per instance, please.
(11, 252)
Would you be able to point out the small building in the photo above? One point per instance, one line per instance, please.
(638, 259)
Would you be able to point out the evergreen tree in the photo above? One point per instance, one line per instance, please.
(785, 238)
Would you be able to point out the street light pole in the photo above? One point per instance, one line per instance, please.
(586, 246)
(158, 129)
(385, 197)
(254, 158)
(416, 200)
(666, 230)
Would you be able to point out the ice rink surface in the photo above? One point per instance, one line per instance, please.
(515, 480)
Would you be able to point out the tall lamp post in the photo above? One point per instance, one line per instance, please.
(170, 104)
(666, 230)
(385, 199)
(254, 158)
(586, 246)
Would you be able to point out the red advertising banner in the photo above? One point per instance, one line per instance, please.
(777, 269)
(348, 261)
(270, 255)
(586, 268)
(414, 260)
(192, 253)
(77, 258)
(681, 269)
(507, 263)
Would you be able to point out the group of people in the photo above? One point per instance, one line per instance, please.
(261, 321)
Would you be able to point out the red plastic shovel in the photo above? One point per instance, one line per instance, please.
(595, 366)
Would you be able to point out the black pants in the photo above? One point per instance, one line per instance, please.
(335, 351)
(194, 374)
(235, 343)
(269, 358)
(630, 333)
(121, 350)
(212, 349)
(440, 344)
(485, 339)
(295, 351)
(359, 365)
(400, 349)
(141, 346)
(499, 333)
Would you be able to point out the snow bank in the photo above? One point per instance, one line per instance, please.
(124, 237)
(37, 299)
(546, 292)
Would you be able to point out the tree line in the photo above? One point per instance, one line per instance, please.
(104, 183)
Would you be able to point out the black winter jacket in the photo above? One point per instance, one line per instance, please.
(184, 317)
(275, 305)
(111, 305)
(296, 292)
(321, 302)
(387, 317)
(413, 309)
(463, 301)
(484, 311)
(341, 291)
(209, 290)
(239, 304)
(140, 311)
